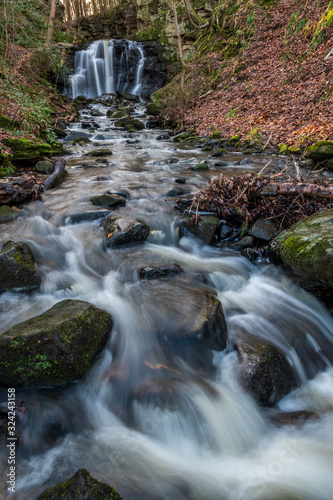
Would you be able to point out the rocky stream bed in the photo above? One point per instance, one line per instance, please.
(143, 345)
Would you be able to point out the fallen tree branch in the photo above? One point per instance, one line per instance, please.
(20, 189)
(58, 174)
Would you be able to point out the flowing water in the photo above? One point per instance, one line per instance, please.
(144, 418)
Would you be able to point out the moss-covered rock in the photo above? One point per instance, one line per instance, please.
(204, 229)
(54, 348)
(81, 486)
(322, 150)
(81, 139)
(99, 152)
(119, 231)
(24, 149)
(129, 123)
(108, 200)
(18, 272)
(8, 124)
(116, 114)
(200, 167)
(155, 108)
(306, 250)
(182, 137)
(234, 139)
(7, 214)
(44, 167)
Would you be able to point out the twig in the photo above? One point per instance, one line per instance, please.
(261, 171)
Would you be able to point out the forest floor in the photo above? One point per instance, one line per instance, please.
(279, 88)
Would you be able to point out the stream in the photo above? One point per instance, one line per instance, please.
(154, 421)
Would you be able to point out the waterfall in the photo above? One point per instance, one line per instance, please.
(107, 66)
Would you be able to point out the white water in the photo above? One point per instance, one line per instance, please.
(97, 70)
(200, 437)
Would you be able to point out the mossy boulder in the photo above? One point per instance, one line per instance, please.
(115, 114)
(182, 137)
(120, 231)
(155, 108)
(264, 372)
(26, 150)
(44, 167)
(132, 124)
(322, 150)
(204, 229)
(8, 124)
(108, 200)
(81, 486)
(54, 348)
(81, 139)
(99, 152)
(306, 250)
(18, 272)
(234, 139)
(7, 214)
(200, 167)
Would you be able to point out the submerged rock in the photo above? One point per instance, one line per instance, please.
(86, 216)
(81, 486)
(18, 272)
(264, 372)
(54, 348)
(204, 229)
(120, 231)
(306, 251)
(7, 214)
(108, 200)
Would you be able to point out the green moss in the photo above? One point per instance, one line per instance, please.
(155, 108)
(283, 149)
(234, 138)
(25, 149)
(322, 150)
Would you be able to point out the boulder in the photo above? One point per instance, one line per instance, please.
(86, 216)
(18, 272)
(129, 123)
(183, 311)
(182, 136)
(176, 191)
(81, 139)
(322, 150)
(306, 251)
(44, 167)
(204, 229)
(264, 229)
(99, 152)
(108, 200)
(120, 231)
(264, 371)
(7, 214)
(155, 108)
(247, 241)
(25, 149)
(95, 112)
(54, 348)
(128, 96)
(77, 135)
(200, 167)
(81, 486)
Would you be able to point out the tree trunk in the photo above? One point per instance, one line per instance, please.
(179, 44)
(51, 23)
(56, 177)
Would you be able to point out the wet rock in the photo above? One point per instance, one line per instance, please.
(295, 418)
(149, 273)
(306, 251)
(81, 140)
(199, 167)
(128, 96)
(155, 108)
(108, 200)
(86, 216)
(204, 229)
(45, 167)
(224, 231)
(264, 229)
(87, 125)
(172, 161)
(183, 311)
(59, 132)
(7, 214)
(264, 372)
(81, 136)
(82, 100)
(55, 347)
(116, 114)
(221, 164)
(247, 241)
(18, 272)
(252, 254)
(120, 231)
(100, 137)
(95, 112)
(163, 137)
(99, 152)
(81, 486)
(174, 192)
(133, 141)
(180, 180)
(102, 178)
(182, 137)
(219, 153)
(132, 124)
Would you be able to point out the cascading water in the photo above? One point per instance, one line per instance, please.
(107, 66)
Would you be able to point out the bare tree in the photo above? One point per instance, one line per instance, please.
(51, 23)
